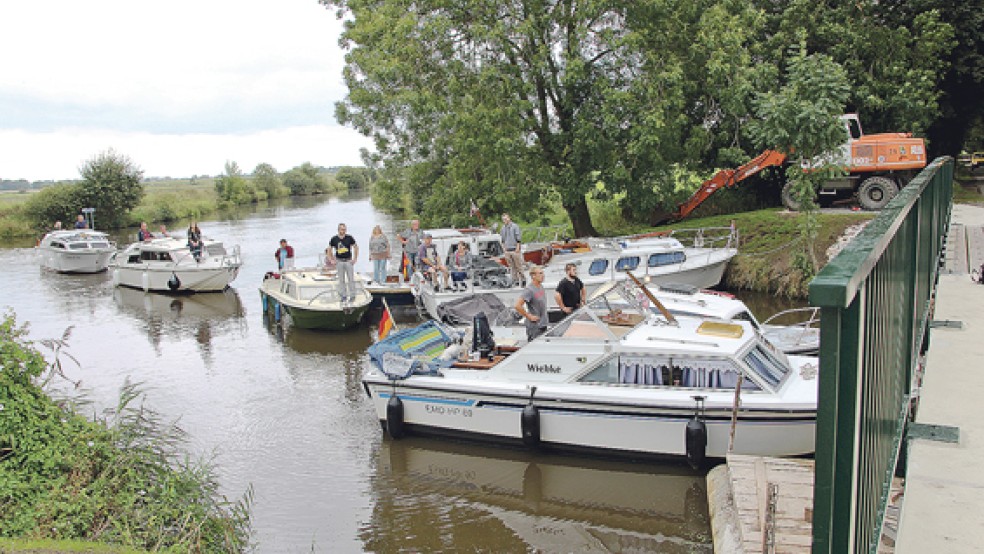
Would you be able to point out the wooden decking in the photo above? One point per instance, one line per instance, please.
(771, 506)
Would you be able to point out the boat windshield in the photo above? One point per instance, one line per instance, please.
(767, 366)
(610, 313)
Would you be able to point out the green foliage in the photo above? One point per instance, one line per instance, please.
(355, 178)
(111, 184)
(54, 203)
(266, 179)
(305, 180)
(802, 119)
(117, 480)
(234, 188)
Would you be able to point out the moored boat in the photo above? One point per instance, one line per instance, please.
(312, 299)
(168, 265)
(612, 377)
(659, 258)
(76, 251)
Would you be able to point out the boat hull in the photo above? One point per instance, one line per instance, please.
(326, 320)
(584, 425)
(214, 279)
(75, 262)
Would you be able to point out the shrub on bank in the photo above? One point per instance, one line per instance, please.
(118, 480)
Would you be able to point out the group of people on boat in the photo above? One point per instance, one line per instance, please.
(194, 236)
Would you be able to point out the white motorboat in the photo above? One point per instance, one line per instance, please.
(313, 299)
(612, 377)
(659, 258)
(168, 265)
(76, 251)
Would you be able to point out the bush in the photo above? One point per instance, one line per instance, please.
(119, 480)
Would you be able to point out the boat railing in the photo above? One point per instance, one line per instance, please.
(800, 325)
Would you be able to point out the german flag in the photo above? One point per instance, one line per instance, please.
(385, 322)
(405, 267)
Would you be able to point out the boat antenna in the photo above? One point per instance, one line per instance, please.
(652, 298)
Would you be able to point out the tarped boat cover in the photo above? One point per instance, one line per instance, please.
(463, 310)
(422, 349)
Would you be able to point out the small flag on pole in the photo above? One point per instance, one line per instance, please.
(386, 321)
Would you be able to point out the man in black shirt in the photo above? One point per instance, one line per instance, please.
(343, 252)
(570, 293)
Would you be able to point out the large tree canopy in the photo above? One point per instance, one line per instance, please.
(512, 102)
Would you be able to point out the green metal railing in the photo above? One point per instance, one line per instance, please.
(876, 301)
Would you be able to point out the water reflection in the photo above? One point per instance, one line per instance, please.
(443, 496)
(201, 317)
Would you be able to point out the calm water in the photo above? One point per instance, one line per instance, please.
(283, 411)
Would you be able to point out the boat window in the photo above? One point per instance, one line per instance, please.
(607, 372)
(766, 366)
(78, 246)
(706, 373)
(57, 245)
(100, 245)
(490, 249)
(627, 263)
(145, 255)
(598, 267)
(133, 259)
(165, 256)
(666, 258)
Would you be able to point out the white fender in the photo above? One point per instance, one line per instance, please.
(416, 281)
(145, 281)
(116, 277)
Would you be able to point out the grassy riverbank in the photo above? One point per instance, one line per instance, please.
(120, 479)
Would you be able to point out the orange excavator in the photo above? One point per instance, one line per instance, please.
(877, 166)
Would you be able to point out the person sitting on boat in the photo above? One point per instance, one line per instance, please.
(195, 240)
(58, 226)
(343, 252)
(143, 234)
(379, 253)
(80, 222)
(429, 261)
(570, 293)
(284, 256)
(461, 262)
(512, 242)
(411, 239)
(532, 304)
(164, 233)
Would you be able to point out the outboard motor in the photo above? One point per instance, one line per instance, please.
(696, 436)
(482, 340)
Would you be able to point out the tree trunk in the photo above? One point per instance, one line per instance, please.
(580, 218)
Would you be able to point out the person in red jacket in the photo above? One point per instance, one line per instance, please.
(284, 255)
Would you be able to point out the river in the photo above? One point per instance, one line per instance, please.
(284, 412)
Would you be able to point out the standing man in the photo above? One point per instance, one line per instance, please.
(512, 239)
(80, 222)
(570, 293)
(532, 304)
(411, 239)
(284, 255)
(343, 252)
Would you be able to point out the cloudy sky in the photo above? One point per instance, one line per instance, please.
(180, 86)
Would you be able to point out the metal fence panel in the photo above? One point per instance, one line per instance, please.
(876, 300)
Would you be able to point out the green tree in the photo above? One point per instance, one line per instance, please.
(356, 177)
(305, 180)
(803, 120)
(234, 188)
(112, 184)
(266, 178)
(53, 203)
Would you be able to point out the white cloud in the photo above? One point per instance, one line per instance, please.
(29, 155)
(223, 75)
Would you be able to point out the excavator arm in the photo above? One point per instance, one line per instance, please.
(729, 178)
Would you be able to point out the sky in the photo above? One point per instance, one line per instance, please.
(180, 87)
